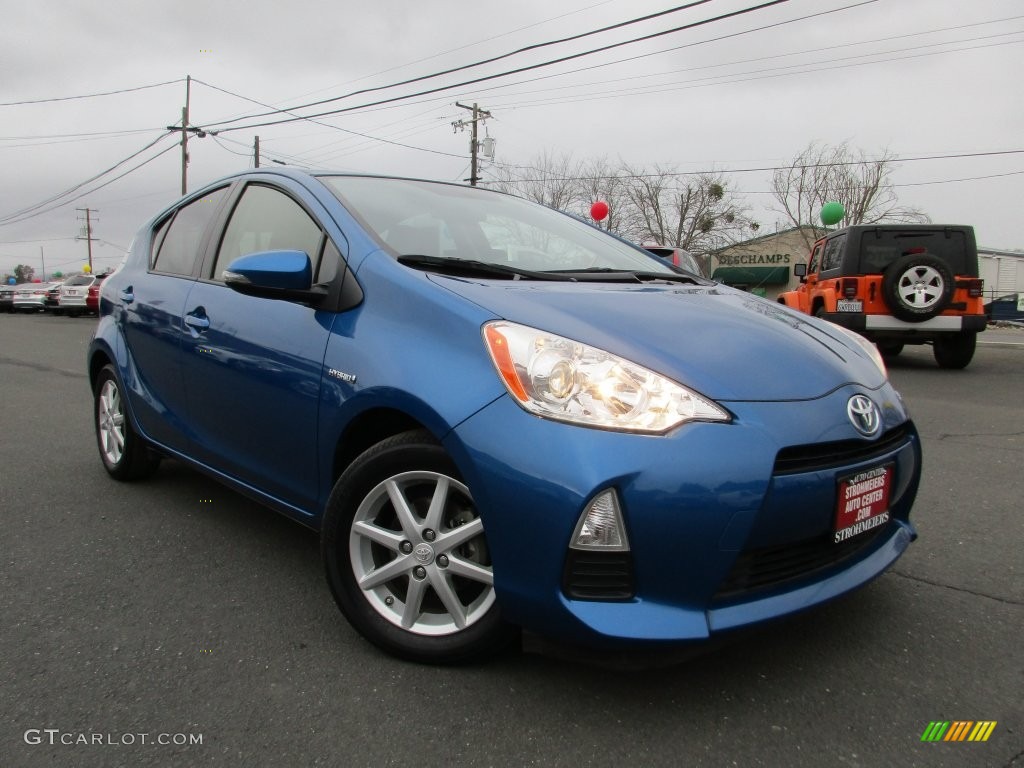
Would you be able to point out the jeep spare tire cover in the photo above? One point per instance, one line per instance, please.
(917, 287)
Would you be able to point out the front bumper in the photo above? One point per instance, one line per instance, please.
(698, 503)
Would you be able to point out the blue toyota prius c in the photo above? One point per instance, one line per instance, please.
(499, 417)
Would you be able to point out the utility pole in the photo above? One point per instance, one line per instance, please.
(474, 146)
(42, 258)
(88, 233)
(256, 151)
(185, 131)
(184, 135)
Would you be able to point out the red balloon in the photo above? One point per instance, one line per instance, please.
(599, 210)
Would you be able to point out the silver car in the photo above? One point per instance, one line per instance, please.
(31, 297)
(73, 294)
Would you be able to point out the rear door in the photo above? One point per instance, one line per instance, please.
(253, 366)
(152, 321)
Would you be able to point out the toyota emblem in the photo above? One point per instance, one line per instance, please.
(864, 415)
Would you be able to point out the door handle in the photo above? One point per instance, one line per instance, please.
(128, 295)
(197, 322)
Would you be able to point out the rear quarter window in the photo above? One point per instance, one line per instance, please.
(880, 248)
(183, 237)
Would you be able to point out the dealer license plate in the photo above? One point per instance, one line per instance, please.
(849, 305)
(71, 293)
(863, 502)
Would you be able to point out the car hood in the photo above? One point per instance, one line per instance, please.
(725, 343)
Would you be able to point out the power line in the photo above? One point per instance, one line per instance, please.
(334, 127)
(615, 94)
(458, 48)
(743, 77)
(611, 46)
(79, 135)
(40, 212)
(761, 169)
(748, 31)
(89, 95)
(7, 218)
(473, 65)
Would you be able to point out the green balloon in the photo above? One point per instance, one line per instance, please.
(832, 213)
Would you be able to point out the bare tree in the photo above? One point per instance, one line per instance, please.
(697, 212)
(600, 180)
(548, 180)
(822, 174)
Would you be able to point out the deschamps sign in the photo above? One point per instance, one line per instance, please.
(747, 259)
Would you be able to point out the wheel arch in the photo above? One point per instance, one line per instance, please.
(99, 356)
(368, 428)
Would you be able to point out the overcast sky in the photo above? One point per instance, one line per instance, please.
(919, 78)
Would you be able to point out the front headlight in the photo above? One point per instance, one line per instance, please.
(562, 379)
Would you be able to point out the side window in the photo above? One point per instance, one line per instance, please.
(812, 268)
(266, 220)
(158, 239)
(179, 249)
(833, 257)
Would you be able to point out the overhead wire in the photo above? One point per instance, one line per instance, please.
(475, 64)
(752, 61)
(328, 125)
(5, 218)
(748, 31)
(762, 169)
(741, 77)
(33, 212)
(90, 95)
(457, 48)
(486, 78)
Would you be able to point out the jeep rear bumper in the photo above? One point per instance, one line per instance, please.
(891, 327)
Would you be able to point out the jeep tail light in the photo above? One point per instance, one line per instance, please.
(849, 287)
(974, 288)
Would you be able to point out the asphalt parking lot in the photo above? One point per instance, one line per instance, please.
(174, 609)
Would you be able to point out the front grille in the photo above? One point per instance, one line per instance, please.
(819, 456)
(772, 566)
(593, 575)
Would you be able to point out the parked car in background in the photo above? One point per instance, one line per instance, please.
(31, 297)
(52, 300)
(898, 284)
(588, 447)
(677, 256)
(92, 298)
(73, 294)
(7, 298)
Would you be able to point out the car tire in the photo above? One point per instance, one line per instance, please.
(917, 287)
(124, 453)
(955, 351)
(889, 348)
(406, 557)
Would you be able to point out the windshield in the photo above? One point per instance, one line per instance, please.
(448, 221)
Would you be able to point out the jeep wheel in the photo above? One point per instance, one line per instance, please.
(889, 348)
(955, 351)
(917, 287)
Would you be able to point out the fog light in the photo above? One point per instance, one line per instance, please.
(600, 526)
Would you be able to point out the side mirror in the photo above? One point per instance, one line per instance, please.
(800, 270)
(286, 275)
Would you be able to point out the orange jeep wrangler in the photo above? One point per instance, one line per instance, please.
(897, 284)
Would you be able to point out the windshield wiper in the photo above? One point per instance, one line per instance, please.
(474, 267)
(614, 275)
